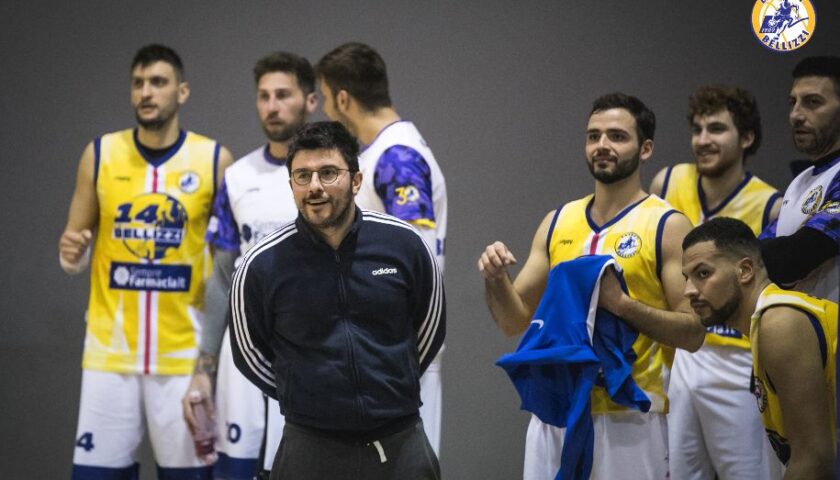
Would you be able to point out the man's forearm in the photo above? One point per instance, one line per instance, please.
(216, 302)
(206, 364)
(511, 314)
(676, 329)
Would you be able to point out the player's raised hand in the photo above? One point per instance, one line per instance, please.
(494, 261)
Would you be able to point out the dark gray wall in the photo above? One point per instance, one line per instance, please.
(501, 91)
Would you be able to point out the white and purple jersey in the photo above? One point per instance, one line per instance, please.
(813, 200)
(254, 200)
(402, 178)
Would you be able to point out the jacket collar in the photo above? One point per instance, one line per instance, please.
(313, 237)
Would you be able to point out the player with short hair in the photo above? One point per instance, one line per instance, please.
(143, 199)
(643, 233)
(254, 200)
(800, 248)
(713, 430)
(793, 339)
(400, 174)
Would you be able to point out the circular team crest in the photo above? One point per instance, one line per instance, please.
(122, 276)
(151, 225)
(812, 201)
(628, 245)
(189, 182)
(783, 25)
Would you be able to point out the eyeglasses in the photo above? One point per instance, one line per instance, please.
(326, 175)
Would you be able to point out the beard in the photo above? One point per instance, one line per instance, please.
(822, 139)
(725, 313)
(717, 169)
(342, 208)
(623, 169)
(157, 123)
(287, 131)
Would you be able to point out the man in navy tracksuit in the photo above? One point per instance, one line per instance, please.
(337, 315)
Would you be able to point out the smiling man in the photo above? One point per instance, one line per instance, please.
(144, 194)
(793, 338)
(711, 417)
(337, 315)
(643, 234)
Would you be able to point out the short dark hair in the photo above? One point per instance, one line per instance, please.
(360, 70)
(326, 136)
(287, 63)
(645, 119)
(740, 104)
(731, 236)
(158, 53)
(825, 66)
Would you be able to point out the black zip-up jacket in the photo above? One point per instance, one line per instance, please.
(339, 337)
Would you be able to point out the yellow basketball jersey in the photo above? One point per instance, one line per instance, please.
(149, 258)
(633, 238)
(823, 315)
(750, 202)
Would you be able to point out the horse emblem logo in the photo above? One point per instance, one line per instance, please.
(627, 245)
(783, 25)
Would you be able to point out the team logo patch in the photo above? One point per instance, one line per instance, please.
(812, 201)
(407, 194)
(151, 225)
(627, 245)
(189, 182)
(783, 25)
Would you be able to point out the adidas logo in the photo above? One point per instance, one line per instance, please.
(384, 271)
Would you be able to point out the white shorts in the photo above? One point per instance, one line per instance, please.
(714, 425)
(431, 391)
(629, 446)
(240, 419)
(113, 413)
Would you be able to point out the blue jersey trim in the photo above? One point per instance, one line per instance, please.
(271, 158)
(216, 151)
(170, 152)
(97, 157)
(707, 213)
(820, 336)
(88, 472)
(660, 231)
(765, 217)
(595, 228)
(664, 191)
(551, 232)
(821, 167)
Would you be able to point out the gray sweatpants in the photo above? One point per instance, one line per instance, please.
(306, 455)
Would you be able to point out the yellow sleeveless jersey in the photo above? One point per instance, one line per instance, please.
(149, 258)
(750, 202)
(633, 238)
(823, 316)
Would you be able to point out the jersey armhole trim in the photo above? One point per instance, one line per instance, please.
(216, 150)
(551, 231)
(664, 191)
(765, 217)
(97, 150)
(660, 231)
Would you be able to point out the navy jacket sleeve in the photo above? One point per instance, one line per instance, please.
(430, 305)
(250, 328)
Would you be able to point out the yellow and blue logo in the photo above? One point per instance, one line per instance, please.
(783, 25)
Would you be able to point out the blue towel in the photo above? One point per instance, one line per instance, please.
(569, 347)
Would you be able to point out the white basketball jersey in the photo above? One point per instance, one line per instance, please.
(404, 133)
(805, 196)
(260, 196)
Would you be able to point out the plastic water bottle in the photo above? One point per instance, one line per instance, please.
(205, 435)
